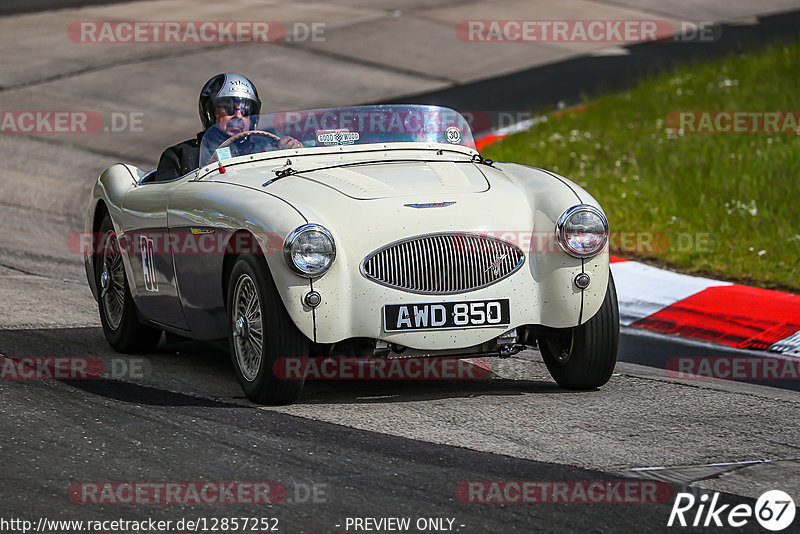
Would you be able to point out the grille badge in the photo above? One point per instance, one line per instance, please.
(495, 267)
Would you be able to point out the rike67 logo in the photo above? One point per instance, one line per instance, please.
(774, 510)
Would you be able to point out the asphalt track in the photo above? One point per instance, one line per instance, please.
(184, 419)
(374, 449)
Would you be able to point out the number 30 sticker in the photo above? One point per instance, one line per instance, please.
(453, 135)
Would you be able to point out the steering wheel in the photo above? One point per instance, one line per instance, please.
(246, 133)
(241, 135)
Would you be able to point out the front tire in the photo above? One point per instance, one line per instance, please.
(584, 357)
(261, 331)
(118, 314)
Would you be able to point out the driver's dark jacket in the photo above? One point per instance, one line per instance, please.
(179, 159)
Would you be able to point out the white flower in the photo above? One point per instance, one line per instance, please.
(672, 133)
(762, 252)
(740, 208)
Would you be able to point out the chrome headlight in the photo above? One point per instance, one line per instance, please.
(582, 231)
(309, 250)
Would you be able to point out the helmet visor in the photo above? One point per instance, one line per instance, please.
(229, 106)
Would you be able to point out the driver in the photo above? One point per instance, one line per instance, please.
(225, 97)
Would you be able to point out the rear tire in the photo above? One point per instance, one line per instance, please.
(261, 331)
(584, 357)
(118, 314)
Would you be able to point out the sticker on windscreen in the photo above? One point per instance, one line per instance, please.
(453, 135)
(336, 137)
(224, 153)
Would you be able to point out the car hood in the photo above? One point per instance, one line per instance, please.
(380, 202)
(397, 179)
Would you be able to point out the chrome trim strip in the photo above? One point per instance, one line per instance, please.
(430, 205)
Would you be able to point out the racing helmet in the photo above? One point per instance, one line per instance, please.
(227, 90)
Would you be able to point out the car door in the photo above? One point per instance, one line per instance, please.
(153, 286)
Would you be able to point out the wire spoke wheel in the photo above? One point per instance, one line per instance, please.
(262, 334)
(248, 337)
(112, 281)
(123, 327)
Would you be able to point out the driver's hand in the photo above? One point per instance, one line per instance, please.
(289, 142)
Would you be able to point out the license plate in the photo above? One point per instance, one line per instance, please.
(446, 315)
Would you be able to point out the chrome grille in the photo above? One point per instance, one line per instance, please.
(443, 263)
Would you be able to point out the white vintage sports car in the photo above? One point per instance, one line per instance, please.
(386, 233)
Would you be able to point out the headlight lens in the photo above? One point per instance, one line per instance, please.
(309, 250)
(582, 231)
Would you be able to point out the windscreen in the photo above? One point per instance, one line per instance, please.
(362, 125)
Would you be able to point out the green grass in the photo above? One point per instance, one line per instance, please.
(739, 192)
